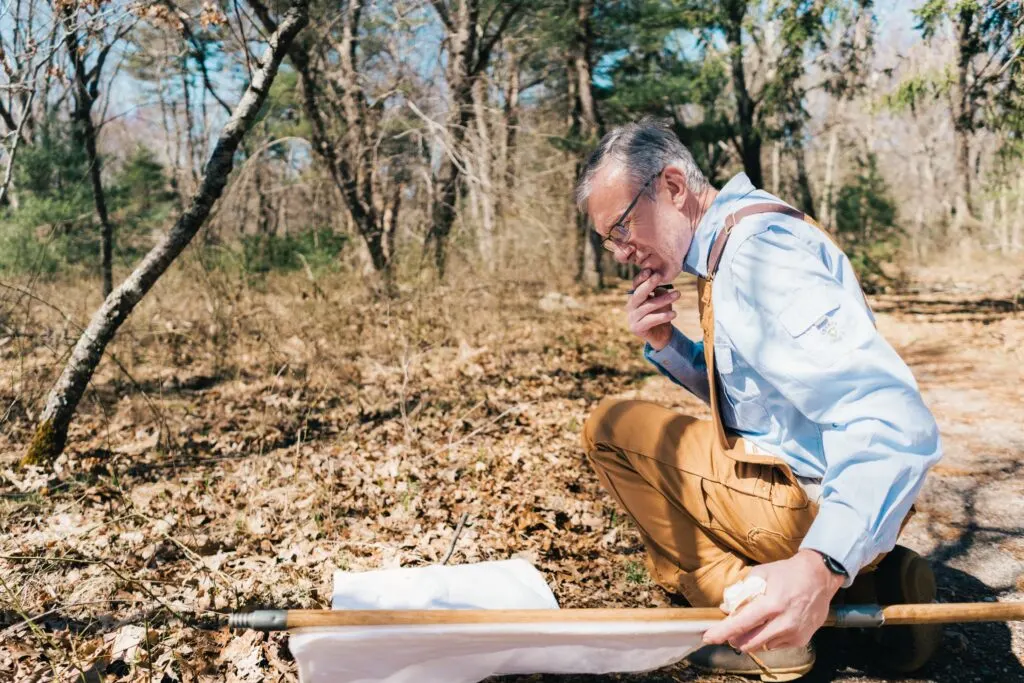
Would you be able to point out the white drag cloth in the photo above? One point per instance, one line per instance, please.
(463, 653)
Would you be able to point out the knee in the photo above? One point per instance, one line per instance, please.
(599, 425)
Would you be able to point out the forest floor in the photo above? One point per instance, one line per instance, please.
(251, 438)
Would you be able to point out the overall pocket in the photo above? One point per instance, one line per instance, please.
(743, 408)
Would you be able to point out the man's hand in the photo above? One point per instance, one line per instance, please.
(650, 318)
(793, 607)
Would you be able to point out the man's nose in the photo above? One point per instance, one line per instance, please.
(623, 254)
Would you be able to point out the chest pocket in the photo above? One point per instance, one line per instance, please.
(743, 405)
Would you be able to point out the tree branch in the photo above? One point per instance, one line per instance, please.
(442, 11)
(487, 44)
(51, 433)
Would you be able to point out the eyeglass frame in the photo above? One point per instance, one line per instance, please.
(612, 243)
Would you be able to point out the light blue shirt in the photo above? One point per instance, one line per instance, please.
(806, 376)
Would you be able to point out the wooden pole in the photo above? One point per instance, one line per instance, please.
(843, 617)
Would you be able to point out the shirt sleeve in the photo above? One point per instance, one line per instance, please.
(682, 361)
(814, 340)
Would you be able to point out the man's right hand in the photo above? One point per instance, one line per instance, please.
(650, 317)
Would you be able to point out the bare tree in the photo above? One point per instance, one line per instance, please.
(86, 93)
(51, 433)
(585, 125)
(471, 33)
(368, 172)
(22, 72)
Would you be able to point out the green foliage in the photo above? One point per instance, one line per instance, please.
(319, 248)
(988, 73)
(866, 222)
(281, 115)
(55, 169)
(51, 225)
(917, 90)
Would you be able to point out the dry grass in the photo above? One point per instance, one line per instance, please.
(253, 436)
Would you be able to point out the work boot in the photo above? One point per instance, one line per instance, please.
(902, 578)
(784, 664)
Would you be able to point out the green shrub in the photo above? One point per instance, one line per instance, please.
(866, 224)
(318, 247)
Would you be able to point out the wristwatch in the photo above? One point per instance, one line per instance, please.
(834, 566)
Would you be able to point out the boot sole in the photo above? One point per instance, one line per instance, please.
(778, 675)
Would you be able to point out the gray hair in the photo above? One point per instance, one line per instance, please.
(643, 148)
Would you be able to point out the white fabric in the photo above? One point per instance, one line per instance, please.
(463, 653)
(742, 592)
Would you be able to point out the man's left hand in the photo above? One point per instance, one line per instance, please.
(794, 606)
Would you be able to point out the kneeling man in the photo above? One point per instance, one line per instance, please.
(819, 440)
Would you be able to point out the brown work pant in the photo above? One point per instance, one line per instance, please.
(706, 514)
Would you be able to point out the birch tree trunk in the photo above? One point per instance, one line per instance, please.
(586, 127)
(469, 46)
(828, 195)
(749, 133)
(1015, 240)
(51, 433)
(485, 174)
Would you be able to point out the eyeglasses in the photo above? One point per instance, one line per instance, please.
(618, 235)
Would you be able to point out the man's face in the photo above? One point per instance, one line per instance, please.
(659, 233)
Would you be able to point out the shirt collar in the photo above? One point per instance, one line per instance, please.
(696, 260)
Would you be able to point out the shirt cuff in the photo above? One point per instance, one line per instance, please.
(838, 531)
(681, 360)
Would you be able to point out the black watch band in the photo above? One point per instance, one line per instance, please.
(834, 566)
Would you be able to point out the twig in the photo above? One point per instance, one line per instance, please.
(475, 431)
(455, 538)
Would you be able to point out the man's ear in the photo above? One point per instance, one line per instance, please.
(675, 182)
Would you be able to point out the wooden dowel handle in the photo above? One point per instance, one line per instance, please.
(954, 612)
(306, 618)
(850, 616)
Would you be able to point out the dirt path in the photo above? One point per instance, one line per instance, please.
(359, 444)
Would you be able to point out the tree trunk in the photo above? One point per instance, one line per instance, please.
(1004, 220)
(511, 123)
(1015, 240)
(462, 71)
(349, 161)
(504, 198)
(750, 136)
(585, 128)
(86, 84)
(803, 181)
(828, 196)
(776, 163)
(484, 184)
(51, 433)
(963, 106)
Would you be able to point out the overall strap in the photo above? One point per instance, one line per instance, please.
(715, 255)
(707, 315)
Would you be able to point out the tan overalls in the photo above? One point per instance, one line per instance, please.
(707, 508)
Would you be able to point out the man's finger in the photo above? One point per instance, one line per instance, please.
(776, 629)
(643, 290)
(739, 623)
(654, 304)
(649, 321)
(640, 277)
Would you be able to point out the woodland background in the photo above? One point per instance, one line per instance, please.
(291, 288)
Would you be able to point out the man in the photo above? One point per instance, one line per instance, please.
(819, 440)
